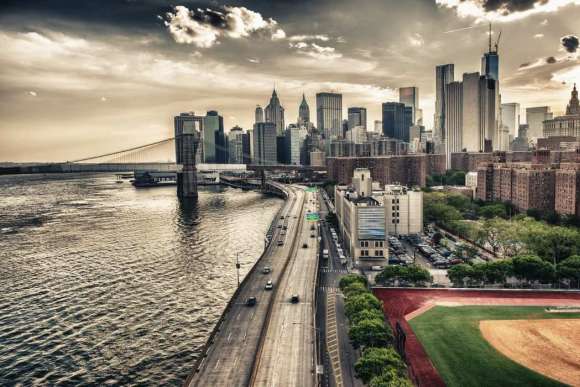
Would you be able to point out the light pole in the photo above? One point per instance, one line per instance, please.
(238, 268)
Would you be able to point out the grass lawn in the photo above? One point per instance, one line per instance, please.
(461, 355)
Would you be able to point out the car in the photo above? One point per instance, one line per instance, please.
(282, 217)
(251, 301)
(312, 235)
(284, 227)
(280, 242)
(305, 245)
(269, 285)
(279, 226)
(266, 270)
(295, 299)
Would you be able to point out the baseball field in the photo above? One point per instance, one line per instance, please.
(459, 337)
(501, 345)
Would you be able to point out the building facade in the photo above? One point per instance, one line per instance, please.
(567, 125)
(535, 117)
(403, 210)
(329, 114)
(264, 144)
(396, 120)
(274, 113)
(444, 74)
(410, 97)
(357, 116)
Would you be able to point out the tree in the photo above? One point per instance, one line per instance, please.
(356, 304)
(376, 361)
(370, 333)
(490, 211)
(350, 279)
(354, 289)
(460, 274)
(532, 268)
(497, 272)
(390, 378)
(570, 269)
(367, 314)
(441, 213)
(389, 275)
(416, 274)
(552, 243)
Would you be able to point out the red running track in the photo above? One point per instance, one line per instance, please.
(398, 303)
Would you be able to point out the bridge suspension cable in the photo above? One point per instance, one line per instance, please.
(120, 152)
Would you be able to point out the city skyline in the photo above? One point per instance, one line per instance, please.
(77, 77)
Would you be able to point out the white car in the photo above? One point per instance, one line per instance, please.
(269, 285)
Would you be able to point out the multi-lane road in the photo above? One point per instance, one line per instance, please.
(271, 343)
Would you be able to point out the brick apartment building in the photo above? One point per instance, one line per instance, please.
(470, 161)
(568, 189)
(407, 170)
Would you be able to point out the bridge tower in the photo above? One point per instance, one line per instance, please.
(188, 126)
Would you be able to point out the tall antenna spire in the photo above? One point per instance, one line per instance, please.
(489, 37)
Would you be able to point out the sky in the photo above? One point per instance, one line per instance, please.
(80, 78)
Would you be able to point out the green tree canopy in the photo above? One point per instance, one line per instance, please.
(355, 288)
(390, 378)
(570, 268)
(356, 304)
(376, 361)
(532, 268)
(368, 314)
(370, 333)
(350, 279)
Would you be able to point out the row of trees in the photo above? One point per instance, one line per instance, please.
(525, 268)
(404, 275)
(380, 365)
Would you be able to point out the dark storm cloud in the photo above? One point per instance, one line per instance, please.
(510, 6)
(551, 60)
(570, 43)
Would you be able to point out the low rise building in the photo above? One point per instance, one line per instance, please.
(403, 210)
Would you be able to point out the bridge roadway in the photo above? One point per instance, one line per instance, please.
(231, 355)
(286, 356)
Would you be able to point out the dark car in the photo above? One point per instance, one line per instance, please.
(251, 301)
(295, 299)
(305, 245)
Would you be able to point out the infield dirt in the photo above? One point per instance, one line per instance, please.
(549, 347)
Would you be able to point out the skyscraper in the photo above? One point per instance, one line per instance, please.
(259, 115)
(274, 113)
(213, 129)
(295, 136)
(329, 114)
(510, 118)
(396, 120)
(471, 136)
(444, 74)
(410, 97)
(454, 119)
(490, 61)
(535, 116)
(303, 112)
(235, 145)
(187, 127)
(264, 143)
(357, 116)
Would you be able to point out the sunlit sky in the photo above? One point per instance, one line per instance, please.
(86, 77)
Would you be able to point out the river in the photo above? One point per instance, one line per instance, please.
(105, 284)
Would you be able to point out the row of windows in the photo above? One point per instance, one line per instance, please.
(367, 243)
(378, 253)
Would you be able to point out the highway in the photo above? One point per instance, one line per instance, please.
(231, 355)
(286, 356)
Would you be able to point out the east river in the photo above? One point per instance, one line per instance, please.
(105, 284)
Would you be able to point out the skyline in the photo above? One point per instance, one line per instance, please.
(78, 81)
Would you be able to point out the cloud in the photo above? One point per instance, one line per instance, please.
(416, 40)
(301, 38)
(205, 28)
(503, 10)
(32, 93)
(570, 43)
(316, 51)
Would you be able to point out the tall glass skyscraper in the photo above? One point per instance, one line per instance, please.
(357, 116)
(329, 114)
(444, 74)
(396, 120)
(410, 97)
(213, 129)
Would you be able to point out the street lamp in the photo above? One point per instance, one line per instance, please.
(238, 267)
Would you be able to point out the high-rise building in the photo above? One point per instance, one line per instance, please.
(444, 74)
(329, 114)
(378, 127)
(396, 120)
(187, 127)
(259, 115)
(264, 143)
(357, 116)
(410, 97)
(303, 112)
(213, 129)
(295, 136)
(567, 125)
(535, 117)
(453, 119)
(274, 113)
(472, 136)
(490, 61)
(510, 118)
(235, 145)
